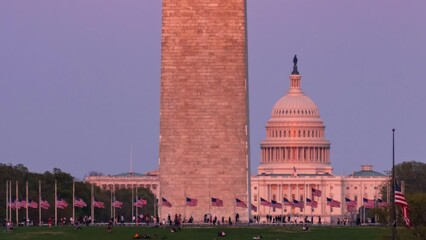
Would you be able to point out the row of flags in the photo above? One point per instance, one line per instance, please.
(62, 204)
(350, 204)
(216, 202)
(23, 204)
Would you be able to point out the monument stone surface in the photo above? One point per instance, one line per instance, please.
(204, 108)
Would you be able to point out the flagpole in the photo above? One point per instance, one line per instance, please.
(113, 188)
(131, 204)
(16, 200)
(73, 201)
(92, 192)
(136, 209)
(10, 201)
(393, 182)
(39, 202)
(111, 211)
(210, 200)
(185, 200)
(26, 207)
(7, 199)
(56, 199)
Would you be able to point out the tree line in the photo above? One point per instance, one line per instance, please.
(19, 174)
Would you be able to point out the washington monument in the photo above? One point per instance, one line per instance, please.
(204, 143)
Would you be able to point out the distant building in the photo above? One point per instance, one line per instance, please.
(295, 161)
(129, 180)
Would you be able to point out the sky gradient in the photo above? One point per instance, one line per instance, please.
(80, 80)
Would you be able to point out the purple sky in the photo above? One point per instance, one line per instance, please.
(80, 80)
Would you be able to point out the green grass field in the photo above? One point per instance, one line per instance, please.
(235, 233)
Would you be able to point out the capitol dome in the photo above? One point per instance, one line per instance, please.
(295, 135)
(295, 106)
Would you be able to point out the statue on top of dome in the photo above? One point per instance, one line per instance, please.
(295, 71)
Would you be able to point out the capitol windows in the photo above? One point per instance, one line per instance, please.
(285, 133)
(356, 188)
(255, 198)
(355, 198)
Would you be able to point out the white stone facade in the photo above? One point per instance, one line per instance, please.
(295, 158)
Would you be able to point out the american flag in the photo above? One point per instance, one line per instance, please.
(239, 203)
(24, 204)
(333, 203)
(98, 204)
(78, 202)
(381, 203)
(165, 203)
(298, 204)
(32, 204)
(117, 204)
(400, 200)
(311, 203)
(263, 202)
(276, 204)
(61, 203)
(350, 205)
(139, 202)
(316, 192)
(349, 202)
(368, 203)
(287, 202)
(17, 204)
(191, 202)
(44, 204)
(216, 202)
(254, 208)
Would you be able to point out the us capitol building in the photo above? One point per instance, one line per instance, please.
(294, 166)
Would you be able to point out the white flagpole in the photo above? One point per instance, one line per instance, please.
(210, 201)
(111, 210)
(10, 201)
(131, 204)
(56, 199)
(73, 201)
(113, 188)
(137, 215)
(26, 207)
(39, 202)
(16, 200)
(92, 206)
(7, 199)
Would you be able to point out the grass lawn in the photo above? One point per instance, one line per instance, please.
(268, 233)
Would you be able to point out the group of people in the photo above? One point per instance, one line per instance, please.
(7, 225)
(287, 219)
